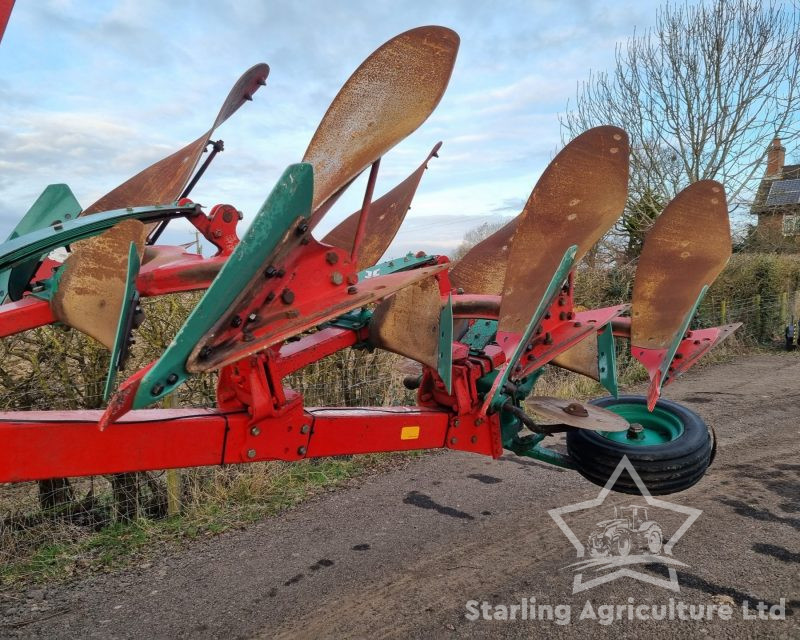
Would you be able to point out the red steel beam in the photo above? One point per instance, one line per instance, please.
(5, 14)
(375, 429)
(37, 445)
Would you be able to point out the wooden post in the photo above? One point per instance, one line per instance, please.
(723, 312)
(174, 483)
(784, 306)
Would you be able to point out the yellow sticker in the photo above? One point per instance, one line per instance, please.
(409, 433)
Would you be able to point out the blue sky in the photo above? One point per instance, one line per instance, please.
(93, 92)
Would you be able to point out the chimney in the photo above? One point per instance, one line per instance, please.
(776, 155)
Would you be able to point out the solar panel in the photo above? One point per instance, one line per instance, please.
(784, 192)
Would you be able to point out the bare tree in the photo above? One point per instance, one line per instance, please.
(701, 95)
(476, 234)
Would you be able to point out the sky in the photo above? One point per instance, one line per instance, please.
(93, 92)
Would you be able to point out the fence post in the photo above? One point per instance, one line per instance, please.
(723, 312)
(757, 309)
(174, 483)
(784, 306)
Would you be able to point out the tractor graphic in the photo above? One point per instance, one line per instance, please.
(630, 529)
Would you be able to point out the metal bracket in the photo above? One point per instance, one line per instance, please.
(444, 360)
(37, 243)
(607, 360)
(409, 261)
(130, 301)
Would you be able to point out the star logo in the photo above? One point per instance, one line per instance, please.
(610, 545)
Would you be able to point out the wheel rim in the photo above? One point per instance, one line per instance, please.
(658, 427)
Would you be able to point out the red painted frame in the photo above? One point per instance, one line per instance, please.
(257, 417)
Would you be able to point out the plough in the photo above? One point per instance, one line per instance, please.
(482, 329)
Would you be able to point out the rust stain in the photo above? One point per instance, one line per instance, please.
(390, 95)
(408, 322)
(582, 358)
(90, 293)
(577, 199)
(591, 182)
(557, 410)
(687, 248)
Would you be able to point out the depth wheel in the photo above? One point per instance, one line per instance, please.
(670, 451)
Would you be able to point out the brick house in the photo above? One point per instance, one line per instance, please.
(777, 202)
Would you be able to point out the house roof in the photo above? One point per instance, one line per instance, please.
(779, 193)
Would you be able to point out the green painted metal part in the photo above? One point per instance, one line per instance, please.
(676, 342)
(444, 359)
(480, 334)
(129, 299)
(530, 447)
(290, 199)
(555, 284)
(607, 360)
(56, 204)
(660, 426)
(409, 261)
(42, 241)
(356, 319)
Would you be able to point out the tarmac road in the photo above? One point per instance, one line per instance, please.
(402, 553)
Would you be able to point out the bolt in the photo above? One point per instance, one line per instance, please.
(301, 229)
(562, 316)
(172, 378)
(255, 431)
(287, 297)
(456, 422)
(548, 339)
(304, 429)
(453, 440)
(236, 321)
(337, 278)
(478, 422)
(473, 439)
(561, 301)
(227, 216)
(248, 97)
(280, 273)
(270, 296)
(547, 316)
(217, 233)
(352, 289)
(157, 389)
(204, 353)
(261, 82)
(331, 257)
(269, 272)
(635, 431)
(252, 317)
(251, 453)
(301, 451)
(577, 324)
(58, 226)
(528, 346)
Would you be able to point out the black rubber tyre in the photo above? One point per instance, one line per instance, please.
(664, 468)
